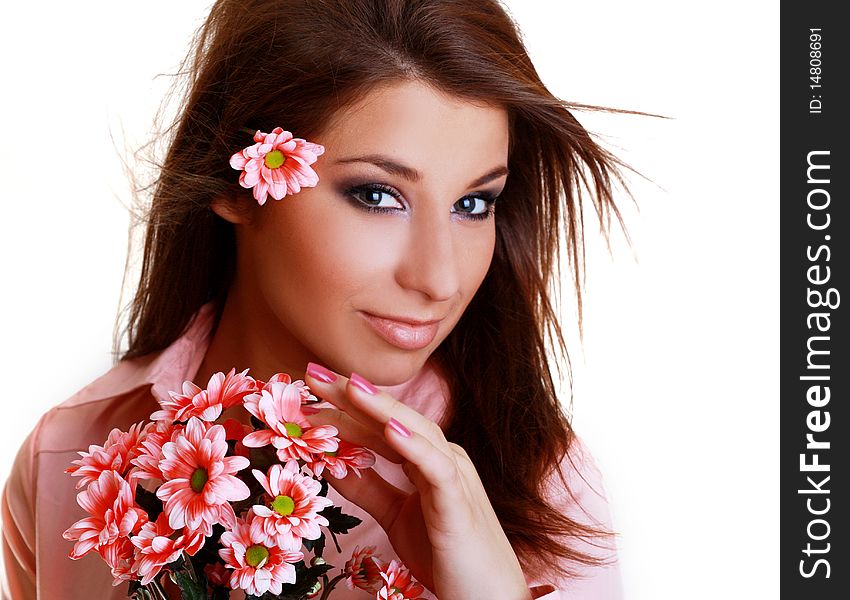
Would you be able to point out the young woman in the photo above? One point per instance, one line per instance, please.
(406, 278)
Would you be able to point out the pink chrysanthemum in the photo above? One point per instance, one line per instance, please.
(258, 567)
(150, 450)
(223, 391)
(116, 454)
(279, 407)
(293, 504)
(200, 481)
(363, 570)
(347, 458)
(119, 556)
(158, 546)
(277, 164)
(398, 583)
(112, 511)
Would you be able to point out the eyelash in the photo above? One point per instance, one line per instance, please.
(352, 192)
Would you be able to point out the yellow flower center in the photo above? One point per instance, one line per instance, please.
(283, 505)
(331, 453)
(292, 429)
(275, 159)
(256, 556)
(199, 479)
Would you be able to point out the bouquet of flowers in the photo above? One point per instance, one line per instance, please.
(199, 502)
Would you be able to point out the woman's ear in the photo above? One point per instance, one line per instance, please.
(230, 209)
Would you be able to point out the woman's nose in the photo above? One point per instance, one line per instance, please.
(431, 264)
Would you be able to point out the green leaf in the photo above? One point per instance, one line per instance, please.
(317, 546)
(189, 589)
(338, 521)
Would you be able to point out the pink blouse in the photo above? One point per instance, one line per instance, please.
(39, 499)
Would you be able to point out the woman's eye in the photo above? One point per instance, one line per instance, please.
(375, 197)
(473, 205)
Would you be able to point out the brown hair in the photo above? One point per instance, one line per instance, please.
(257, 63)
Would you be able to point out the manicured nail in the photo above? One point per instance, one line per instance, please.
(401, 429)
(320, 373)
(363, 384)
(309, 410)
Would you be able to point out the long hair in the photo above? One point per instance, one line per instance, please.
(256, 63)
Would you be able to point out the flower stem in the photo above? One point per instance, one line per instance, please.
(330, 586)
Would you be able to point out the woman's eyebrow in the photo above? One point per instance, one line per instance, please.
(395, 168)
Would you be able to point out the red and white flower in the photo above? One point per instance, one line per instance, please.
(157, 546)
(200, 480)
(116, 454)
(112, 511)
(348, 458)
(222, 392)
(293, 504)
(363, 570)
(398, 583)
(278, 405)
(258, 567)
(277, 164)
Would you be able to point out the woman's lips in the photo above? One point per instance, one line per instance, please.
(403, 335)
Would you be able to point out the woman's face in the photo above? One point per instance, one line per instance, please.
(399, 226)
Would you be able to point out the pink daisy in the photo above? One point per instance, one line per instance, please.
(258, 567)
(112, 511)
(293, 504)
(363, 570)
(277, 164)
(150, 450)
(158, 546)
(398, 584)
(348, 457)
(200, 481)
(119, 556)
(278, 405)
(116, 454)
(223, 391)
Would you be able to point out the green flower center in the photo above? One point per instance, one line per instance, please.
(331, 453)
(199, 479)
(256, 556)
(292, 429)
(283, 505)
(274, 159)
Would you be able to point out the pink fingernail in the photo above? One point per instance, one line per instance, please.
(309, 410)
(398, 427)
(363, 384)
(320, 373)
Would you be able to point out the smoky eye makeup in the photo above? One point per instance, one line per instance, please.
(384, 199)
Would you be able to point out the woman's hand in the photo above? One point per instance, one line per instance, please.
(445, 532)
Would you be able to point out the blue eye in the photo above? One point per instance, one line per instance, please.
(372, 198)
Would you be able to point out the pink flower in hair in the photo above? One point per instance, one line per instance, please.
(277, 164)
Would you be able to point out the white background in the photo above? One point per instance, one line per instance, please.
(676, 386)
